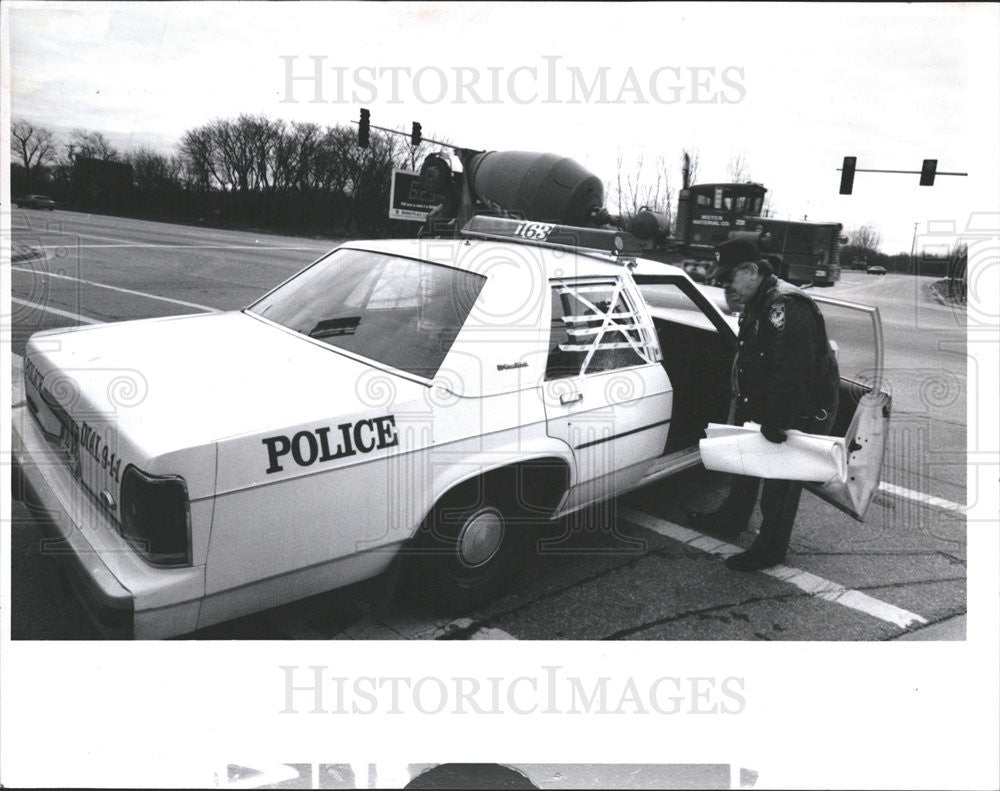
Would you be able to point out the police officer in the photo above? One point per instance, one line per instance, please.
(785, 377)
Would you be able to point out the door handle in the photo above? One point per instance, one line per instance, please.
(570, 398)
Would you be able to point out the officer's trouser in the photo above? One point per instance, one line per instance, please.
(779, 501)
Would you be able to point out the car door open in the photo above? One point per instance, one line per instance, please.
(864, 408)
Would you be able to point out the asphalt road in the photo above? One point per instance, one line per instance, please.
(627, 571)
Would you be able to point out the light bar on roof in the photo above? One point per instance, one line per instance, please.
(567, 237)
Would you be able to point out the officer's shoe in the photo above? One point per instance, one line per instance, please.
(750, 561)
(714, 523)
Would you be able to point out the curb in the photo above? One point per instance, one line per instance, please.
(953, 628)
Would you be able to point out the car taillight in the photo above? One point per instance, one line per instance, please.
(156, 519)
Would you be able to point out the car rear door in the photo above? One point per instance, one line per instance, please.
(606, 394)
(863, 414)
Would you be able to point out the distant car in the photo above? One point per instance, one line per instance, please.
(875, 270)
(36, 202)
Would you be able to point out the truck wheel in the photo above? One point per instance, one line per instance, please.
(467, 548)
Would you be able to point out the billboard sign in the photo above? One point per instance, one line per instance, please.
(407, 201)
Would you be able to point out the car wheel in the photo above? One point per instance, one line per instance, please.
(467, 547)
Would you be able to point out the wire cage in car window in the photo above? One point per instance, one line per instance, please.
(596, 327)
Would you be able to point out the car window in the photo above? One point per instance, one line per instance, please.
(596, 327)
(396, 311)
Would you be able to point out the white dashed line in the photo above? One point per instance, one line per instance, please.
(803, 580)
(920, 497)
(119, 289)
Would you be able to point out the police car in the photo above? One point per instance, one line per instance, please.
(430, 399)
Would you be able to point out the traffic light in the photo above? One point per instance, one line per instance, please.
(415, 137)
(363, 128)
(927, 173)
(847, 175)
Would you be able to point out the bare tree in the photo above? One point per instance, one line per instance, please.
(638, 189)
(666, 204)
(739, 170)
(95, 145)
(370, 173)
(958, 271)
(863, 245)
(409, 155)
(233, 156)
(295, 154)
(263, 136)
(198, 152)
(334, 162)
(153, 171)
(32, 146)
(867, 238)
(262, 163)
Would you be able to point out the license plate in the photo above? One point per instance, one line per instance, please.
(71, 446)
(820, 273)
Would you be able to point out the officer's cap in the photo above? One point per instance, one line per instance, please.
(731, 254)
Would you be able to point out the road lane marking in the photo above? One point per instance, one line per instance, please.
(125, 242)
(117, 288)
(920, 497)
(79, 318)
(181, 246)
(803, 580)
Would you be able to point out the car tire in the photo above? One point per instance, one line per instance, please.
(467, 547)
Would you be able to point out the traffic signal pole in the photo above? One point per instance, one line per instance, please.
(415, 135)
(926, 173)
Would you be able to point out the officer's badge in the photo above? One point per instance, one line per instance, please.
(777, 316)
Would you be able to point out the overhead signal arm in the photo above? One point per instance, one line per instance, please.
(927, 173)
(416, 133)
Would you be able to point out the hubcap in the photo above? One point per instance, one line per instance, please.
(481, 537)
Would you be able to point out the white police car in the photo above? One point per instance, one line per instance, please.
(440, 397)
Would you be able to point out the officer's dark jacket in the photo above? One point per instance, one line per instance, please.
(785, 368)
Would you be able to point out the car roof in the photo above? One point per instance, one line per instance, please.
(479, 255)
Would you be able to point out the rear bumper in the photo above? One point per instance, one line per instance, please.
(109, 604)
(125, 596)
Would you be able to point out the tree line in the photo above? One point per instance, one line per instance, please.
(250, 170)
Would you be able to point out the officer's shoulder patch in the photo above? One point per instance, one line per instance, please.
(777, 315)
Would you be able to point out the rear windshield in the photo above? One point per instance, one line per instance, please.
(397, 311)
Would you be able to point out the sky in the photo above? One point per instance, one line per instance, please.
(792, 89)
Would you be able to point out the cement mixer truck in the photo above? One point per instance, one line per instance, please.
(520, 184)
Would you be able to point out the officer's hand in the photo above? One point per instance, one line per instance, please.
(772, 434)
